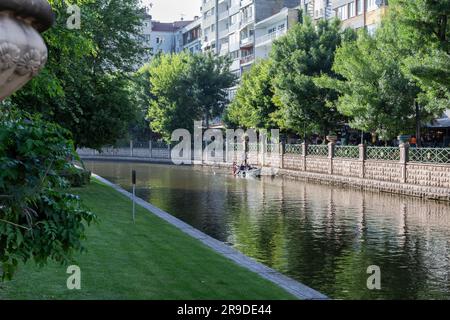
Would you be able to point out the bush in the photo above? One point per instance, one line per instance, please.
(77, 177)
(38, 219)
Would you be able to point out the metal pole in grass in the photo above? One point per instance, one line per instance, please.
(133, 181)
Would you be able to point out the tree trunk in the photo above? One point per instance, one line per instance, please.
(206, 120)
(418, 125)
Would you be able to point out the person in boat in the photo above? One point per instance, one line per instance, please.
(235, 168)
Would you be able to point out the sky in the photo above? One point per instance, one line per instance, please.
(172, 10)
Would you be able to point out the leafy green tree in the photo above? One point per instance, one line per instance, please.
(186, 88)
(84, 86)
(253, 105)
(173, 106)
(305, 53)
(386, 75)
(375, 94)
(423, 23)
(424, 27)
(210, 76)
(116, 26)
(140, 90)
(39, 219)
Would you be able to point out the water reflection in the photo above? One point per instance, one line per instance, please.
(325, 237)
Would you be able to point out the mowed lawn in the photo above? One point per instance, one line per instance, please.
(149, 260)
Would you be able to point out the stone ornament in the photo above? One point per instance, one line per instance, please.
(23, 52)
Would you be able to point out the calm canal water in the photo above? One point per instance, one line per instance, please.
(325, 237)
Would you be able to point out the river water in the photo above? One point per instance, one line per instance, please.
(325, 237)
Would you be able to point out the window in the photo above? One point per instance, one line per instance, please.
(234, 39)
(272, 30)
(342, 12)
(234, 55)
(359, 7)
(234, 19)
(247, 13)
(159, 40)
(371, 5)
(351, 9)
(281, 26)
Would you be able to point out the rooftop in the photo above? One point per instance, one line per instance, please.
(169, 26)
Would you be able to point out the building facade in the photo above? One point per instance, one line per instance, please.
(167, 37)
(358, 14)
(272, 28)
(229, 28)
(354, 14)
(189, 37)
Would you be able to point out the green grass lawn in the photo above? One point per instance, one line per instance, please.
(149, 260)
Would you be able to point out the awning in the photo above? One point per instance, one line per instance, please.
(440, 123)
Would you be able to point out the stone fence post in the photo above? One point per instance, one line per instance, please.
(150, 148)
(304, 154)
(131, 148)
(362, 159)
(263, 149)
(169, 151)
(404, 158)
(226, 151)
(331, 149)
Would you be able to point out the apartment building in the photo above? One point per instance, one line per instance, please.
(229, 28)
(145, 36)
(360, 13)
(354, 14)
(189, 37)
(318, 9)
(169, 37)
(164, 36)
(271, 28)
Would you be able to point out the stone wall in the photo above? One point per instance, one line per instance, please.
(383, 171)
(293, 162)
(348, 168)
(352, 169)
(317, 164)
(428, 175)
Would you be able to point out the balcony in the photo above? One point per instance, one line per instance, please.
(245, 3)
(246, 21)
(234, 27)
(223, 15)
(269, 38)
(209, 20)
(224, 49)
(223, 33)
(247, 59)
(247, 42)
(208, 5)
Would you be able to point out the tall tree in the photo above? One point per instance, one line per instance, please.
(253, 106)
(305, 53)
(173, 106)
(84, 85)
(425, 27)
(387, 75)
(210, 76)
(375, 94)
(187, 88)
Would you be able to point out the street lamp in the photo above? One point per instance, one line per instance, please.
(23, 52)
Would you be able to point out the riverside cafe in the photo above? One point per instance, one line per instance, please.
(437, 133)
